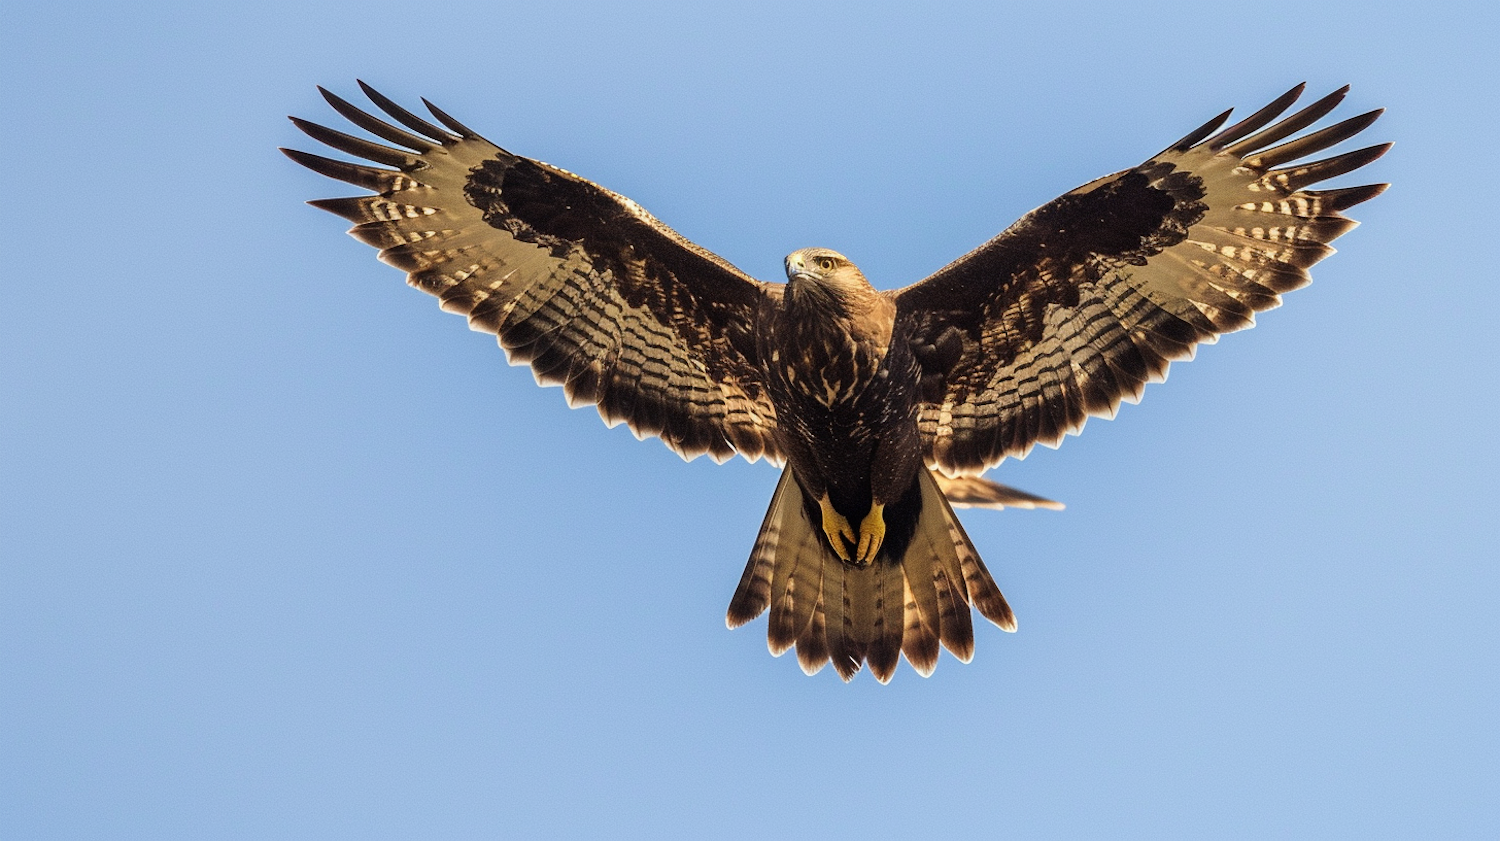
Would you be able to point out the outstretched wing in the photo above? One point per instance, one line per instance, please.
(591, 290)
(1089, 297)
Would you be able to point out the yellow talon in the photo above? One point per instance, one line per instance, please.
(871, 533)
(837, 528)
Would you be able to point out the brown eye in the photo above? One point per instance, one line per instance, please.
(825, 263)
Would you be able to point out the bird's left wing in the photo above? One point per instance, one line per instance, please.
(1089, 297)
(591, 290)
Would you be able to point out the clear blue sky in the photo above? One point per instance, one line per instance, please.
(286, 552)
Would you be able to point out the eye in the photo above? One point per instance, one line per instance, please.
(825, 263)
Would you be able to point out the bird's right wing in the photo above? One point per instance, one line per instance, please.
(591, 290)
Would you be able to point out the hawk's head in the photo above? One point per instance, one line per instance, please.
(827, 271)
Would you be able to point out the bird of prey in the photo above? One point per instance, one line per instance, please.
(879, 404)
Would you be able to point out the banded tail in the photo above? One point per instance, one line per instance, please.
(908, 603)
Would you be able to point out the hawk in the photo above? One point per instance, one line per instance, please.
(883, 406)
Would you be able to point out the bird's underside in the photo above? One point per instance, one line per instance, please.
(884, 407)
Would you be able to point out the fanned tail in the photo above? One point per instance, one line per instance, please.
(832, 611)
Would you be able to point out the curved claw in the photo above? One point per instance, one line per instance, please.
(871, 533)
(837, 528)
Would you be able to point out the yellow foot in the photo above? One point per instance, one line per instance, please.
(837, 528)
(871, 533)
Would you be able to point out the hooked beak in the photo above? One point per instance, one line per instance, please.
(796, 269)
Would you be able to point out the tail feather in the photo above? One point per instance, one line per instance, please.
(859, 590)
(812, 646)
(942, 543)
(888, 610)
(919, 641)
(832, 611)
(974, 492)
(983, 592)
(754, 593)
(986, 596)
(839, 629)
(955, 628)
(796, 586)
(923, 614)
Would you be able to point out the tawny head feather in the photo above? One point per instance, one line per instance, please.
(826, 270)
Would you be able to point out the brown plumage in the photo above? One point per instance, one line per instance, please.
(884, 406)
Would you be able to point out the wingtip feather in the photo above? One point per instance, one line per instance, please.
(1196, 135)
(1315, 142)
(1289, 126)
(1255, 122)
(1347, 197)
(374, 125)
(352, 145)
(405, 117)
(448, 121)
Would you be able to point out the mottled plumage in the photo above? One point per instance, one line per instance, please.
(884, 406)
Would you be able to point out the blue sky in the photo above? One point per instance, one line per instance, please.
(287, 552)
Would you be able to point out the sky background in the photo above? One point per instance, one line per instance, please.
(286, 552)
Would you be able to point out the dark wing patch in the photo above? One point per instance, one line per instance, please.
(1086, 299)
(579, 282)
